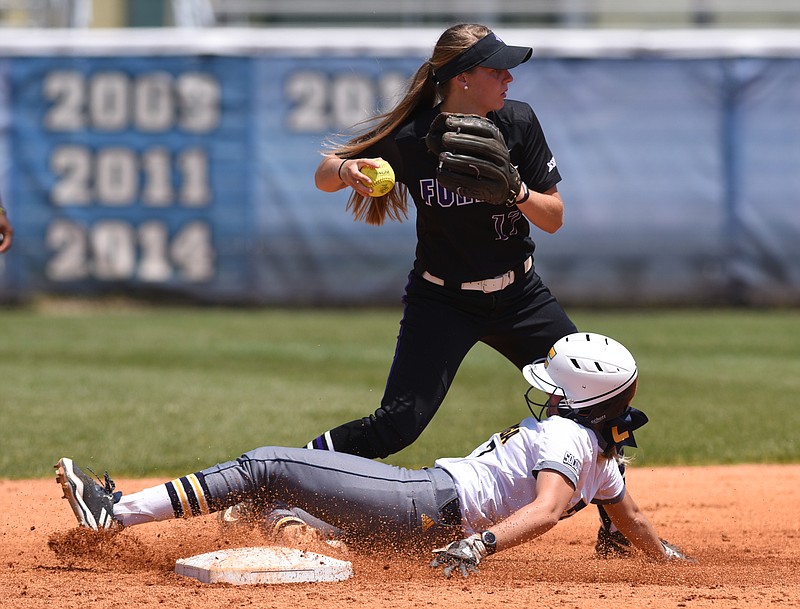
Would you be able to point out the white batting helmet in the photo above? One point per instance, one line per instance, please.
(589, 371)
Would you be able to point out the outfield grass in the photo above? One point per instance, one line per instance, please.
(163, 391)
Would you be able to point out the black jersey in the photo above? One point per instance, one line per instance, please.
(460, 239)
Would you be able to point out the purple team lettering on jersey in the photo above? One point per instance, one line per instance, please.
(432, 192)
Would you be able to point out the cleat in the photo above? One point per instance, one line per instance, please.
(278, 519)
(92, 503)
(296, 528)
(612, 544)
(246, 515)
(241, 516)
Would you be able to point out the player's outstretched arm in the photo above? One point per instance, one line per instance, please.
(553, 493)
(632, 522)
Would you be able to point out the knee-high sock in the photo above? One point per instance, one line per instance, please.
(148, 505)
(183, 497)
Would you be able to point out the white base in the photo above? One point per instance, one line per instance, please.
(263, 565)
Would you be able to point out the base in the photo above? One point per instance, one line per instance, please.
(263, 565)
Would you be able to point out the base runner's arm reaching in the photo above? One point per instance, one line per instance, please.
(629, 519)
(632, 522)
(553, 492)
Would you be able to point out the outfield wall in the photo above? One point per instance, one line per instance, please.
(180, 163)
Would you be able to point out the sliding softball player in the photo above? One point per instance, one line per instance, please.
(510, 489)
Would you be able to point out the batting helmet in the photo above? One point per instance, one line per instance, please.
(595, 375)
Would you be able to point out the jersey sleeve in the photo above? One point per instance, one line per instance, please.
(612, 487)
(529, 149)
(540, 171)
(561, 451)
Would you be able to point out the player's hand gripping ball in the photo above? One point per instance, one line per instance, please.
(382, 178)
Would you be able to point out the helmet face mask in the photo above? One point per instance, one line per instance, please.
(544, 407)
(594, 375)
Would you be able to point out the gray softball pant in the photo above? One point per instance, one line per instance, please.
(359, 496)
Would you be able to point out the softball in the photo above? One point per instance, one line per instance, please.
(382, 178)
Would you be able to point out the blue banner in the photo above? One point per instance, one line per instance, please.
(312, 249)
(192, 175)
(134, 172)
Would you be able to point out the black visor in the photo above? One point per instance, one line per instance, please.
(488, 52)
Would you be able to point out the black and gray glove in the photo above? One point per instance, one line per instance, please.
(473, 158)
(465, 555)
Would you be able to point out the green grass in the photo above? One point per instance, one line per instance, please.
(163, 391)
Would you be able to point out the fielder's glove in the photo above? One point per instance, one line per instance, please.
(464, 555)
(673, 552)
(473, 158)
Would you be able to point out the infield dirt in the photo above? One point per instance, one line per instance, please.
(741, 522)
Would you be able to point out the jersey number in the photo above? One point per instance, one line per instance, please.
(505, 225)
(505, 436)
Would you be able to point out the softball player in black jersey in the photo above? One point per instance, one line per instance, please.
(473, 278)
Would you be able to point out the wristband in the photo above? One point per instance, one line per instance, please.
(339, 172)
(3, 211)
(527, 192)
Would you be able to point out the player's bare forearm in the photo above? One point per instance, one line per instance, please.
(327, 175)
(632, 522)
(528, 523)
(553, 493)
(545, 210)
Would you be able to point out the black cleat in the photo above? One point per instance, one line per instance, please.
(92, 503)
